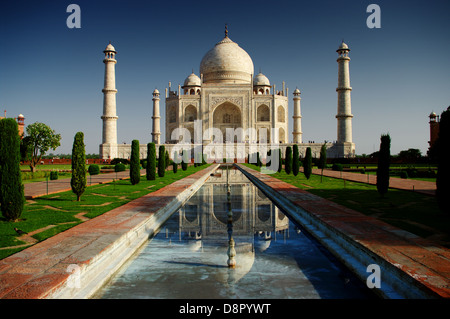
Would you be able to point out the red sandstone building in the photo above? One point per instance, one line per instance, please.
(20, 121)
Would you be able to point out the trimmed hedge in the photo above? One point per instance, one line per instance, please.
(94, 169)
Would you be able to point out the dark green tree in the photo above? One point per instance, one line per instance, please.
(12, 197)
(151, 162)
(322, 159)
(78, 180)
(135, 165)
(280, 161)
(295, 160)
(162, 161)
(384, 161)
(174, 163)
(184, 160)
(307, 163)
(443, 155)
(288, 160)
(167, 158)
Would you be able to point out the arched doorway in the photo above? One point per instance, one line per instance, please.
(227, 115)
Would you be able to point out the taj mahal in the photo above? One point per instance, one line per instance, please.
(227, 104)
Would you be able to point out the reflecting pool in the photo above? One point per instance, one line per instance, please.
(220, 225)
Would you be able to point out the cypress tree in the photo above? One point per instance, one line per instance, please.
(12, 197)
(135, 167)
(151, 162)
(443, 153)
(295, 160)
(323, 159)
(167, 158)
(184, 160)
(162, 161)
(280, 161)
(307, 165)
(78, 180)
(174, 163)
(384, 160)
(288, 160)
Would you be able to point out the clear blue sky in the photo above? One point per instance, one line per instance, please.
(399, 73)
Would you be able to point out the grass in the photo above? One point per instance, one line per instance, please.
(60, 210)
(411, 211)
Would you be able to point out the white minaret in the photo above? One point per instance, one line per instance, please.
(156, 132)
(344, 105)
(297, 118)
(108, 149)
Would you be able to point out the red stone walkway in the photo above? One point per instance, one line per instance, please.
(422, 261)
(424, 187)
(40, 270)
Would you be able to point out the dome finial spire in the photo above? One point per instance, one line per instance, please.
(226, 30)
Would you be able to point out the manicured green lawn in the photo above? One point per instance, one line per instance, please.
(414, 212)
(61, 209)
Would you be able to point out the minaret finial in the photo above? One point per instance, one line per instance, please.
(226, 30)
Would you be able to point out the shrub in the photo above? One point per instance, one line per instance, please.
(120, 160)
(119, 167)
(337, 167)
(403, 174)
(362, 171)
(12, 197)
(53, 175)
(78, 180)
(94, 169)
(151, 162)
(144, 163)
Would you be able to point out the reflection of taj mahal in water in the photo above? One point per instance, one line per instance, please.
(205, 216)
(228, 95)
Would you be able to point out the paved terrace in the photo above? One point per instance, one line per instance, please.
(41, 270)
(413, 259)
(95, 248)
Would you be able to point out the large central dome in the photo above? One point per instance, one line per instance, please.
(227, 63)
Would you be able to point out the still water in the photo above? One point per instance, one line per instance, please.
(190, 256)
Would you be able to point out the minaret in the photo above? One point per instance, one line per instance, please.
(156, 132)
(297, 118)
(108, 149)
(344, 106)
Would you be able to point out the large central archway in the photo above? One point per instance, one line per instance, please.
(227, 115)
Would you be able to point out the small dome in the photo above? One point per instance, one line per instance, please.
(297, 91)
(261, 80)
(343, 46)
(21, 116)
(433, 115)
(110, 47)
(192, 80)
(155, 92)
